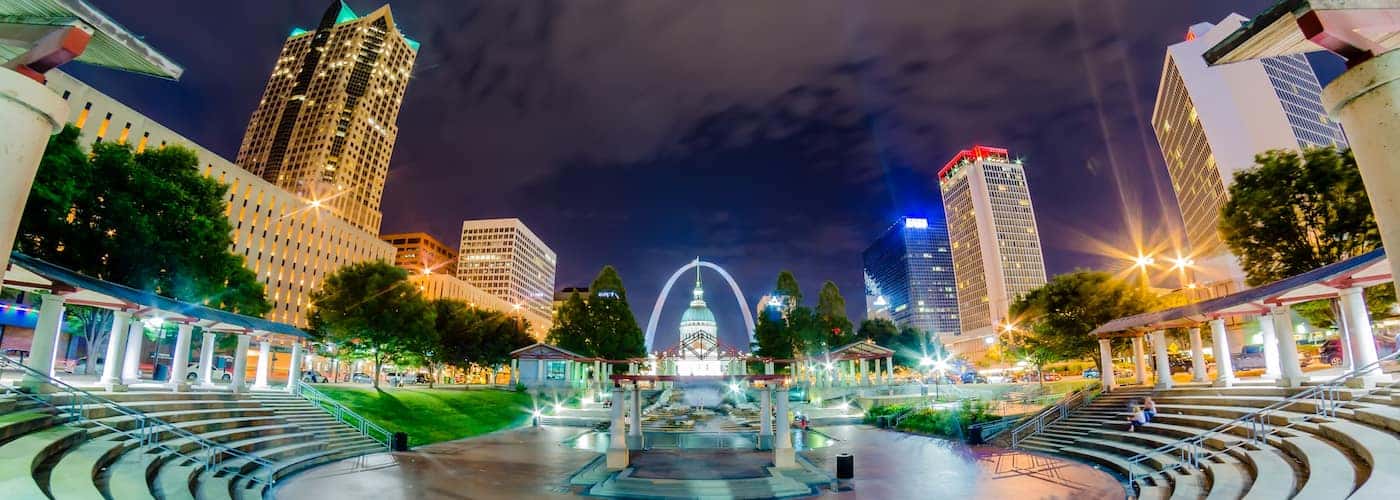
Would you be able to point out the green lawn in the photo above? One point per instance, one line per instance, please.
(434, 415)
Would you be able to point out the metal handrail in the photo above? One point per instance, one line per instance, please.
(1049, 416)
(345, 415)
(148, 430)
(1193, 450)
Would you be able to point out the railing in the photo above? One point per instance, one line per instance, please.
(990, 430)
(148, 428)
(1049, 416)
(345, 415)
(1326, 398)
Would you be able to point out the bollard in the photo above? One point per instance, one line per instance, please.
(399, 442)
(845, 466)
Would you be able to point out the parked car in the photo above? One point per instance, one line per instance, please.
(1179, 362)
(1091, 373)
(969, 377)
(1251, 357)
(1051, 377)
(313, 376)
(192, 373)
(361, 378)
(422, 378)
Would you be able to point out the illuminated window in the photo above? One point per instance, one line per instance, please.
(82, 116)
(125, 132)
(102, 129)
(141, 146)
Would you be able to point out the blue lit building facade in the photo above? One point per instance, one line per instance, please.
(909, 276)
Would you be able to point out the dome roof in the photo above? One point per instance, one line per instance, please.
(698, 313)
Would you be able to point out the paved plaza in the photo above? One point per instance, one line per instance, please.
(530, 463)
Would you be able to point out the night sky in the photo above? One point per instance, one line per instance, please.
(759, 135)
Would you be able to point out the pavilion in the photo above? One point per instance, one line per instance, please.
(1269, 305)
(541, 365)
(132, 310)
(848, 365)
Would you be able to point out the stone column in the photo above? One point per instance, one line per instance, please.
(206, 359)
(1220, 343)
(514, 371)
(260, 378)
(31, 113)
(180, 359)
(131, 365)
(1198, 356)
(539, 373)
(1164, 367)
(617, 436)
(240, 364)
(42, 348)
(1366, 100)
(1270, 341)
(294, 368)
(889, 370)
(116, 351)
(768, 367)
(864, 373)
(1139, 361)
(765, 417)
(783, 455)
(1291, 371)
(1106, 361)
(127, 363)
(636, 400)
(1363, 339)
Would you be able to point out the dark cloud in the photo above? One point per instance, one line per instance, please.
(761, 135)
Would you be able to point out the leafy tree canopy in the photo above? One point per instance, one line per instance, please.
(831, 310)
(1055, 319)
(373, 308)
(612, 330)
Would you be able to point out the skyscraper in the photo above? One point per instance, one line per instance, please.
(909, 277)
(506, 259)
(996, 245)
(1211, 121)
(421, 253)
(327, 121)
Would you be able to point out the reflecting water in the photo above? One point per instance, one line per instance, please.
(801, 440)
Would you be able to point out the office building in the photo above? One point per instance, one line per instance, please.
(328, 118)
(1212, 121)
(909, 277)
(995, 242)
(420, 253)
(506, 259)
(288, 242)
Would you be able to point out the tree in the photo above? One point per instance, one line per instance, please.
(374, 309)
(1060, 314)
(771, 335)
(612, 329)
(501, 334)
(570, 330)
(831, 311)
(146, 220)
(1291, 213)
(455, 341)
(787, 289)
(909, 343)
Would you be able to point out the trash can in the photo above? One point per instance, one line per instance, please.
(882, 421)
(162, 373)
(399, 442)
(845, 466)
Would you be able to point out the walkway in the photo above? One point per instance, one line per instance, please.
(530, 463)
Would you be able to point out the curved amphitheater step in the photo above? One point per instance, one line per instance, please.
(1353, 454)
(98, 457)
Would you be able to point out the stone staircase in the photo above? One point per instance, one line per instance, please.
(1355, 454)
(45, 453)
(777, 485)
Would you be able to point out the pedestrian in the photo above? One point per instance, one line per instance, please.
(1137, 419)
(1149, 409)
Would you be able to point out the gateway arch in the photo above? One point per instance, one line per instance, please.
(661, 299)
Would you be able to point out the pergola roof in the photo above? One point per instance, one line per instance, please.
(541, 350)
(861, 349)
(29, 273)
(1278, 30)
(111, 46)
(1371, 268)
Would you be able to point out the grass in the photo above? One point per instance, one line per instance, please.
(435, 415)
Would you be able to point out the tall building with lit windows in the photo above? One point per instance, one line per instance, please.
(1212, 121)
(328, 118)
(909, 277)
(506, 259)
(421, 253)
(993, 234)
(288, 242)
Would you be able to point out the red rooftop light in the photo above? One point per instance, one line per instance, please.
(976, 153)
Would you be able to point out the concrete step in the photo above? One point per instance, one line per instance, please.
(1329, 472)
(1228, 481)
(20, 455)
(1273, 476)
(83, 465)
(19, 423)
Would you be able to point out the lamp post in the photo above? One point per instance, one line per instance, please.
(1142, 262)
(1180, 264)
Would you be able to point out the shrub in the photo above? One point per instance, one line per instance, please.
(948, 423)
(883, 411)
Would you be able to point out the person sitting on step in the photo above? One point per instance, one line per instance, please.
(1137, 419)
(1149, 409)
